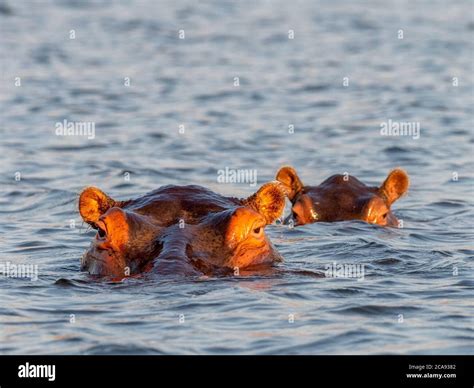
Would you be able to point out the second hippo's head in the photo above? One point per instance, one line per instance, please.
(344, 197)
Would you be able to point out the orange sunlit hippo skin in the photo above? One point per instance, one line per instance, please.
(343, 197)
(184, 230)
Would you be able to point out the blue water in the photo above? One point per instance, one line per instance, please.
(417, 293)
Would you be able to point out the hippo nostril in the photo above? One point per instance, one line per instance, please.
(189, 251)
(157, 248)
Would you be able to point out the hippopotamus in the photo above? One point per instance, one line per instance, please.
(343, 197)
(180, 230)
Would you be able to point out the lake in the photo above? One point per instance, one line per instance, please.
(172, 92)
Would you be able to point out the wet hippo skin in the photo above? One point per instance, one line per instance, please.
(341, 198)
(181, 230)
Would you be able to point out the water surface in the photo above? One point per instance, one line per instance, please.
(417, 292)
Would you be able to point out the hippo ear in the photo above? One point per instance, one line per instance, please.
(289, 178)
(93, 202)
(394, 186)
(269, 201)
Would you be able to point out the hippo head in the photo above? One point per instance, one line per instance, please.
(343, 197)
(180, 230)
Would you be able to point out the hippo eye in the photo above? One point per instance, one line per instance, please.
(101, 232)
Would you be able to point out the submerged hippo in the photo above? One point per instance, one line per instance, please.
(341, 198)
(180, 230)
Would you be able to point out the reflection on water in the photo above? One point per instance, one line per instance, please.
(166, 111)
